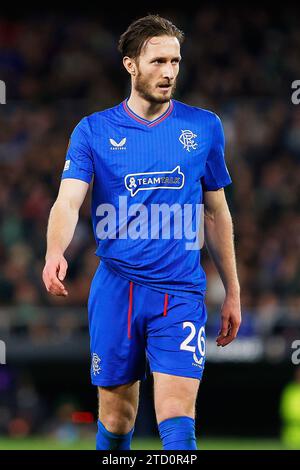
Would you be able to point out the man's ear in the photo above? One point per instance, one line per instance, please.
(129, 65)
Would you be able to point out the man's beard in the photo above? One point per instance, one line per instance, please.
(144, 90)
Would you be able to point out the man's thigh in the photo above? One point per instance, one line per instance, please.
(119, 400)
(174, 396)
(176, 339)
(117, 357)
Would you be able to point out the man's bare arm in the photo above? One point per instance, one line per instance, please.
(61, 227)
(218, 231)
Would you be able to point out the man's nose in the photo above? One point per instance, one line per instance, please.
(168, 71)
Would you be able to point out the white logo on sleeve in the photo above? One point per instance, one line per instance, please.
(118, 145)
(187, 139)
(95, 364)
(67, 165)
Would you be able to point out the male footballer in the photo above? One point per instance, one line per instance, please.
(154, 162)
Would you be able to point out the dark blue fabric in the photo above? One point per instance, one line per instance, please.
(106, 440)
(178, 433)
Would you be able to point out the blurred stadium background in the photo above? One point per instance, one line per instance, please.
(58, 67)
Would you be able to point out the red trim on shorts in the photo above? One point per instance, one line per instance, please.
(129, 310)
(166, 305)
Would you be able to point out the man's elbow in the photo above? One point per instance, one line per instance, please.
(65, 205)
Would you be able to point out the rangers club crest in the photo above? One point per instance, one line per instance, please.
(187, 139)
(95, 364)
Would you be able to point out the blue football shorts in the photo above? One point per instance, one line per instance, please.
(131, 324)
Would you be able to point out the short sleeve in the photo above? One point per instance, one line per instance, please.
(79, 159)
(216, 175)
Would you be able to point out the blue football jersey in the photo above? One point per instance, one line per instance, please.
(148, 183)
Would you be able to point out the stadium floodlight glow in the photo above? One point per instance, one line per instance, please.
(2, 92)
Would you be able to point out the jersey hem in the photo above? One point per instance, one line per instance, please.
(163, 291)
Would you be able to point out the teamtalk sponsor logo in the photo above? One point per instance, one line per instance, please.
(154, 221)
(136, 182)
(187, 139)
(2, 352)
(118, 145)
(96, 364)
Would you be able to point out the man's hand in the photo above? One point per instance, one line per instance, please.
(230, 320)
(61, 226)
(53, 273)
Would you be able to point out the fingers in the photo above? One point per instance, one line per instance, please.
(57, 288)
(223, 332)
(62, 270)
(228, 332)
(51, 281)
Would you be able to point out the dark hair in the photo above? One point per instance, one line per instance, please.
(133, 39)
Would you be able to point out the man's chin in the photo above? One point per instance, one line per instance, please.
(161, 98)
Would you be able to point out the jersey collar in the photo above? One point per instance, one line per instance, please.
(145, 121)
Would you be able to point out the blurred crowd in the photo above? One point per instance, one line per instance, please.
(239, 64)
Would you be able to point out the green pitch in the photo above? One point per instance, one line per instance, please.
(139, 444)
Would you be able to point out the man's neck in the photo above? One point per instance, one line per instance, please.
(146, 109)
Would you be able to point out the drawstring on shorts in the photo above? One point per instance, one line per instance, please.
(129, 315)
